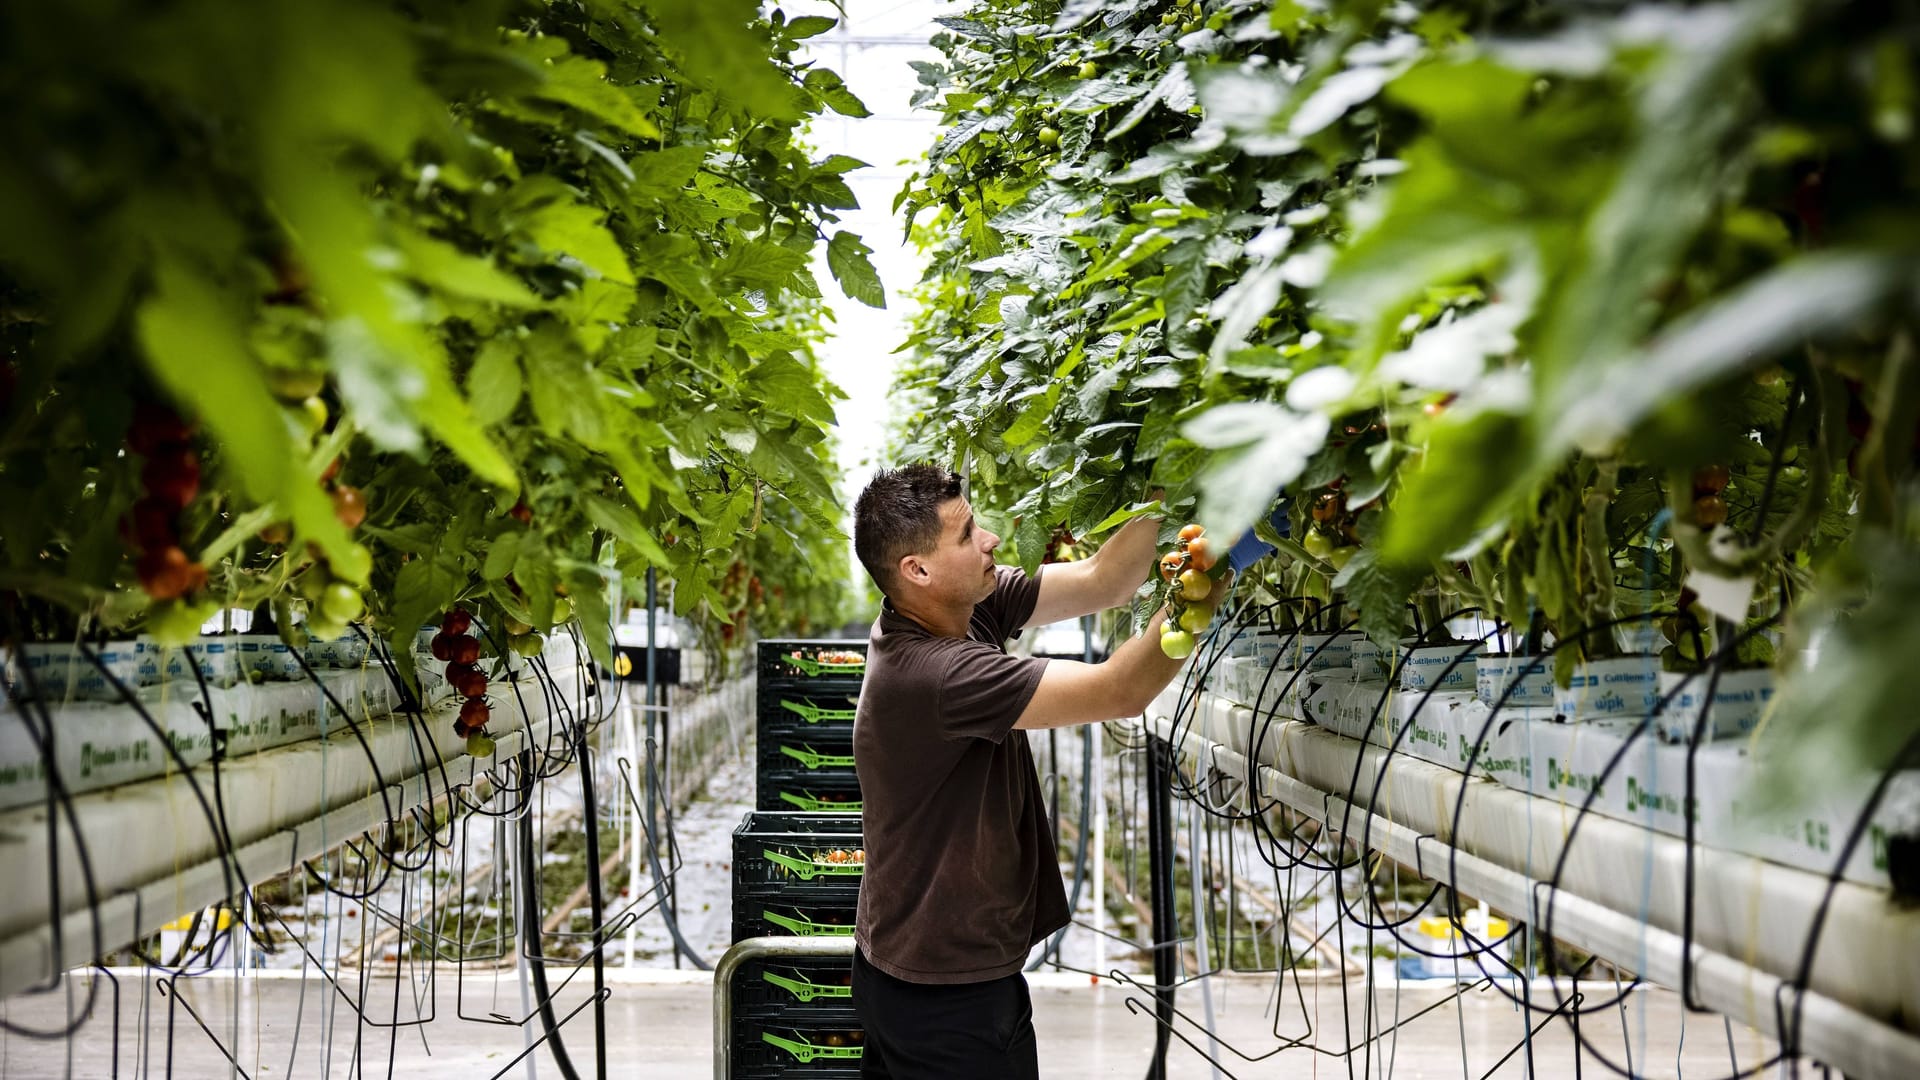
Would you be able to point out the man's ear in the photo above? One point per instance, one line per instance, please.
(913, 570)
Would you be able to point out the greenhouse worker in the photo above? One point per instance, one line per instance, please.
(962, 879)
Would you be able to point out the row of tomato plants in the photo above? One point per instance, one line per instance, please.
(1563, 315)
(350, 310)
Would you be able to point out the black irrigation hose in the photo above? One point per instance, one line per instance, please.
(528, 872)
(590, 826)
(659, 876)
(1166, 942)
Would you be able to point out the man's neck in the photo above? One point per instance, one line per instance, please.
(938, 622)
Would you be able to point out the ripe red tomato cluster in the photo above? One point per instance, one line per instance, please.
(170, 476)
(461, 652)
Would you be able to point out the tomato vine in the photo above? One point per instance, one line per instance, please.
(1522, 308)
(447, 302)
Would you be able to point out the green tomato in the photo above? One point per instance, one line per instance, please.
(514, 627)
(1196, 618)
(528, 644)
(480, 745)
(562, 610)
(341, 602)
(312, 415)
(323, 628)
(1194, 585)
(1177, 645)
(1190, 27)
(1340, 556)
(176, 622)
(1049, 137)
(1089, 69)
(354, 565)
(312, 585)
(1318, 544)
(1169, 19)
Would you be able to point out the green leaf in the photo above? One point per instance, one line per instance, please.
(442, 266)
(787, 387)
(836, 164)
(566, 399)
(493, 386)
(847, 259)
(832, 89)
(569, 228)
(1816, 294)
(807, 26)
(1450, 493)
(1380, 593)
(661, 174)
(198, 351)
(625, 527)
(761, 264)
(582, 83)
(716, 43)
(1260, 448)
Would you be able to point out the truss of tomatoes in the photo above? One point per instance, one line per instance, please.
(1189, 571)
(461, 652)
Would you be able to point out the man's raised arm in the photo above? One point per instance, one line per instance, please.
(1108, 579)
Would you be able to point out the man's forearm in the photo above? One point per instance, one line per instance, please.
(1126, 559)
(1141, 669)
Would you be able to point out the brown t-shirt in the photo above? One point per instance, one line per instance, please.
(961, 878)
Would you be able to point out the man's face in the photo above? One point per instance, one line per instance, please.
(961, 568)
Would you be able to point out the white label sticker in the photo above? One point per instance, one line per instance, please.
(1726, 597)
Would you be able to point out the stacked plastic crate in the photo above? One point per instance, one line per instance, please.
(797, 864)
(807, 692)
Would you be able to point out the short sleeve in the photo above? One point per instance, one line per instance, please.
(985, 690)
(1012, 602)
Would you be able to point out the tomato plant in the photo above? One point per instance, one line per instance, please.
(420, 303)
(1542, 338)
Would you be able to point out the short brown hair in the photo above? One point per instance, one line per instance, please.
(899, 515)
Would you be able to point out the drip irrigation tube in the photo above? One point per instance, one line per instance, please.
(527, 868)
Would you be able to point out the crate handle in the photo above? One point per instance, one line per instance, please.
(812, 713)
(807, 802)
(806, 991)
(814, 759)
(805, 1052)
(805, 927)
(808, 869)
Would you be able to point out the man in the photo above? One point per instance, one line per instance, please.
(961, 878)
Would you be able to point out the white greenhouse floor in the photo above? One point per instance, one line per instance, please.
(660, 1026)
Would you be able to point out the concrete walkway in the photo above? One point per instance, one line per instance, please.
(660, 1025)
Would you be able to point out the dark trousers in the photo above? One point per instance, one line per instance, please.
(948, 1031)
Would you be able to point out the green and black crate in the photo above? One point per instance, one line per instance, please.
(800, 660)
(796, 873)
